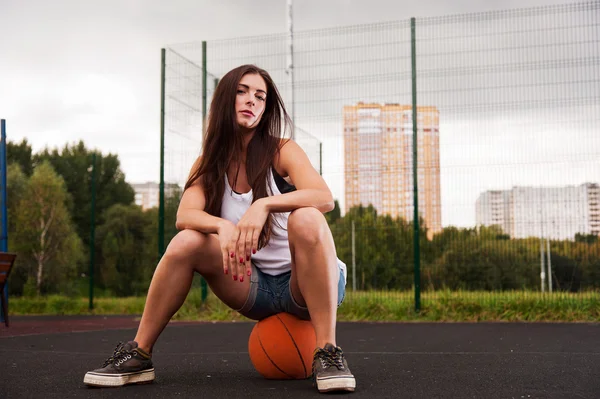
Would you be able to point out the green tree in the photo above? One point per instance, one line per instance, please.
(20, 154)
(566, 273)
(335, 214)
(448, 236)
(586, 238)
(16, 185)
(73, 163)
(125, 258)
(44, 230)
(587, 256)
(173, 195)
(483, 259)
(384, 258)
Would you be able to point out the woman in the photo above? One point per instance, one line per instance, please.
(251, 223)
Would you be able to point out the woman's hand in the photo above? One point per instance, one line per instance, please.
(250, 227)
(229, 234)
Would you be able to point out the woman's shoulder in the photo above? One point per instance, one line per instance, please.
(284, 141)
(287, 148)
(289, 155)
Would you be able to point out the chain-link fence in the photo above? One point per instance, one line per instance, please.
(507, 143)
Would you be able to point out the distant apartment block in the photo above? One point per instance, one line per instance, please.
(493, 208)
(551, 212)
(147, 194)
(378, 160)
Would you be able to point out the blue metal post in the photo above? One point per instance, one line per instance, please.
(3, 199)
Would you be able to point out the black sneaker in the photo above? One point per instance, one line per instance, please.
(330, 370)
(127, 365)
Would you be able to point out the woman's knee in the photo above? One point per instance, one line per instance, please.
(187, 243)
(308, 225)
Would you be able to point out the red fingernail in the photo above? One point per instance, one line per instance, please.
(226, 271)
(232, 254)
(235, 277)
(248, 273)
(241, 260)
(253, 250)
(247, 257)
(241, 279)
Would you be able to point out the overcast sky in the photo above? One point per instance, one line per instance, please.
(64, 62)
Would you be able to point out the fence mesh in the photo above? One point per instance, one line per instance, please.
(518, 96)
(507, 143)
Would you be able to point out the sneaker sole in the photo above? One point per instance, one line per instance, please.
(336, 384)
(117, 380)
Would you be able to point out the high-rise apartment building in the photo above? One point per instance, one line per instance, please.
(493, 208)
(147, 194)
(552, 212)
(378, 160)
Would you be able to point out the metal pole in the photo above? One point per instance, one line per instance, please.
(320, 158)
(203, 284)
(92, 231)
(290, 66)
(549, 266)
(542, 268)
(417, 252)
(3, 168)
(161, 189)
(542, 272)
(4, 199)
(203, 88)
(353, 259)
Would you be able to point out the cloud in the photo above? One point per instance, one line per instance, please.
(95, 94)
(91, 71)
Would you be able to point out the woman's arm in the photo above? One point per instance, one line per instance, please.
(311, 189)
(191, 214)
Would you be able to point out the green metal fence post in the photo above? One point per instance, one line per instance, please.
(203, 285)
(92, 231)
(321, 158)
(417, 252)
(204, 80)
(161, 190)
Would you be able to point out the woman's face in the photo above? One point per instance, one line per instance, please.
(250, 100)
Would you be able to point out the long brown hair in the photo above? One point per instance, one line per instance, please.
(223, 143)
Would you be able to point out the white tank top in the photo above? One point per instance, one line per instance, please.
(275, 257)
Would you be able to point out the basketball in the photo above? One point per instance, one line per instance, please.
(281, 347)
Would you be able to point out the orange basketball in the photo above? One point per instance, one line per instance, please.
(281, 347)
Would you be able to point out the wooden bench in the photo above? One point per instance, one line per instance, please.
(6, 263)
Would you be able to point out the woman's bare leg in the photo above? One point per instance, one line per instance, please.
(315, 273)
(188, 252)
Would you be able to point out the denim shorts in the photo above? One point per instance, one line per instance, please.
(270, 295)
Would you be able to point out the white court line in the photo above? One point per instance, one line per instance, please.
(462, 353)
